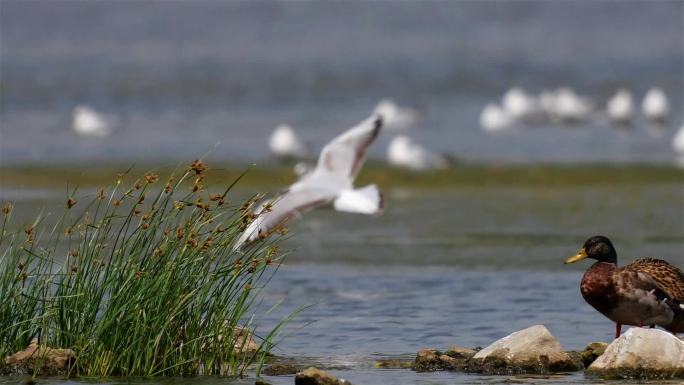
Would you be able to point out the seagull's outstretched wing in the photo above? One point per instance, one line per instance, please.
(345, 154)
(280, 210)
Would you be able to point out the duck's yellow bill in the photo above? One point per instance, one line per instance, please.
(582, 254)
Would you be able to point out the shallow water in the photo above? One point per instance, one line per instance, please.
(457, 266)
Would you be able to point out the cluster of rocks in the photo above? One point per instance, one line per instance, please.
(38, 358)
(639, 353)
(533, 350)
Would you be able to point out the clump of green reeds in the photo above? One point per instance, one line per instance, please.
(139, 280)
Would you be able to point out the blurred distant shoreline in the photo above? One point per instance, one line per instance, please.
(273, 176)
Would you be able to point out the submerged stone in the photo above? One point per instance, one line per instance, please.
(591, 352)
(313, 376)
(643, 354)
(530, 351)
(393, 364)
(454, 359)
(40, 359)
(281, 370)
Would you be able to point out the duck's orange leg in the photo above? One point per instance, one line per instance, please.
(618, 330)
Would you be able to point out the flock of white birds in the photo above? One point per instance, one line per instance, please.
(518, 108)
(564, 106)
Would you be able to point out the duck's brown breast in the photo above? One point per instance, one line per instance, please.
(598, 287)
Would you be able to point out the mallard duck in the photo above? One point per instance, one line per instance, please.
(648, 291)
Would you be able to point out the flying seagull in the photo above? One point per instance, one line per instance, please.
(330, 182)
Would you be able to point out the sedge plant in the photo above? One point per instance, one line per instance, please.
(139, 280)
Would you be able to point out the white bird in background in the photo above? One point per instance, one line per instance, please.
(655, 105)
(404, 152)
(85, 121)
(284, 143)
(331, 181)
(568, 107)
(396, 117)
(302, 168)
(678, 141)
(494, 118)
(520, 105)
(620, 107)
(547, 101)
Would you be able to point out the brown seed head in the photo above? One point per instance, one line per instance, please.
(198, 167)
(28, 230)
(116, 203)
(7, 208)
(151, 178)
(71, 202)
(180, 232)
(207, 244)
(178, 205)
(101, 194)
(74, 253)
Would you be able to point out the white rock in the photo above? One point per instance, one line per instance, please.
(532, 348)
(642, 353)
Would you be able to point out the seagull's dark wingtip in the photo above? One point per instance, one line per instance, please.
(378, 122)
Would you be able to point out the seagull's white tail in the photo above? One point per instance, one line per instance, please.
(365, 200)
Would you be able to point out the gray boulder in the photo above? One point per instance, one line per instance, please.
(532, 350)
(641, 353)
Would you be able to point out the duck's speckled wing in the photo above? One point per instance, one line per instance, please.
(665, 276)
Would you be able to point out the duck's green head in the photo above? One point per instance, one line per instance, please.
(597, 247)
